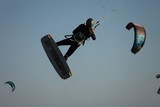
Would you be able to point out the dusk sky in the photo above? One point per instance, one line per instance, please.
(105, 72)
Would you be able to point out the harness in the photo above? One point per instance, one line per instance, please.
(78, 37)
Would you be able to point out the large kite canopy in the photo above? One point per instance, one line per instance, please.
(139, 36)
(11, 84)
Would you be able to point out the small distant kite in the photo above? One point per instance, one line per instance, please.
(158, 76)
(158, 92)
(11, 84)
(139, 36)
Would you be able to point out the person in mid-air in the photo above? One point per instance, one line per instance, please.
(80, 34)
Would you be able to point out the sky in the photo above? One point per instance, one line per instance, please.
(105, 72)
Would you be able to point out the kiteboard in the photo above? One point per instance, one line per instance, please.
(55, 56)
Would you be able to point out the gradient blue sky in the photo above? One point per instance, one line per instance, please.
(105, 72)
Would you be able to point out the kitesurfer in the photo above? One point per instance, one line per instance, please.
(80, 34)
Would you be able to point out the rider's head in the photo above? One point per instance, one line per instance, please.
(90, 22)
